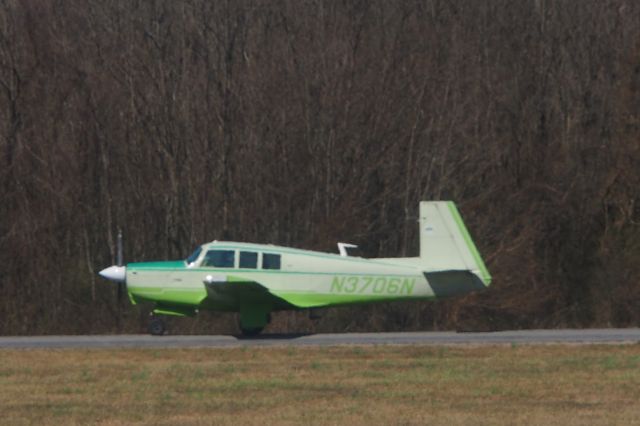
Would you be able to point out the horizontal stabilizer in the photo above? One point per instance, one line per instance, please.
(453, 283)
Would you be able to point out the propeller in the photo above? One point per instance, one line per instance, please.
(119, 263)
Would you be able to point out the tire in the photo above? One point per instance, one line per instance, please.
(250, 332)
(157, 327)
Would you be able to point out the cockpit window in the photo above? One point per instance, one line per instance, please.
(219, 258)
(194, 256)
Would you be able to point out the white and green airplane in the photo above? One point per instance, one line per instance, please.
(257, 279)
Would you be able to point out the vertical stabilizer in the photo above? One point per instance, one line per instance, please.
(445, 243)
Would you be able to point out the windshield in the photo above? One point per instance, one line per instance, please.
(194, 256)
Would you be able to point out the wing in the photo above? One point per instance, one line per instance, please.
(237, 290)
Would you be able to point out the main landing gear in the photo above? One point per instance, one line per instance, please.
(253, 319)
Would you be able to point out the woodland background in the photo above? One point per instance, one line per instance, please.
(304, 123)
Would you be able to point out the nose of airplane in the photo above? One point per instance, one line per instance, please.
(114, 273)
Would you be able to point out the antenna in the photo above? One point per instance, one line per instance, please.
(342, 248)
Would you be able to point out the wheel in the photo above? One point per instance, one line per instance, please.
(253, 319)
(157, 326)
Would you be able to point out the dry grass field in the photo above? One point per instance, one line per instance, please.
(546, 384)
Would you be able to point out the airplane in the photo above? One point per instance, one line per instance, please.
(257, 279)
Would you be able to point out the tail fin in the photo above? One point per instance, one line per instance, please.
(445, 243)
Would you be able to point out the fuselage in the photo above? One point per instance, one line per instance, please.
(298, 278)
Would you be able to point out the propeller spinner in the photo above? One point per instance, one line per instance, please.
(114, 273)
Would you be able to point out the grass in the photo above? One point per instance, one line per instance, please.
(552, 384)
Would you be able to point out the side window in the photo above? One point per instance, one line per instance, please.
(270, 261)
(248, 259)
(219, 258)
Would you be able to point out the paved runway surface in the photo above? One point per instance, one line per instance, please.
(592, 336)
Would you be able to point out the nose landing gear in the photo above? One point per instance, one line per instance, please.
(157, 326)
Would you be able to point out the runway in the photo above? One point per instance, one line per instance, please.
(589, 336)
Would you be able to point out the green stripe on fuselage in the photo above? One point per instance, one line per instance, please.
(166, 264)
(184, 296)
(310, 300)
